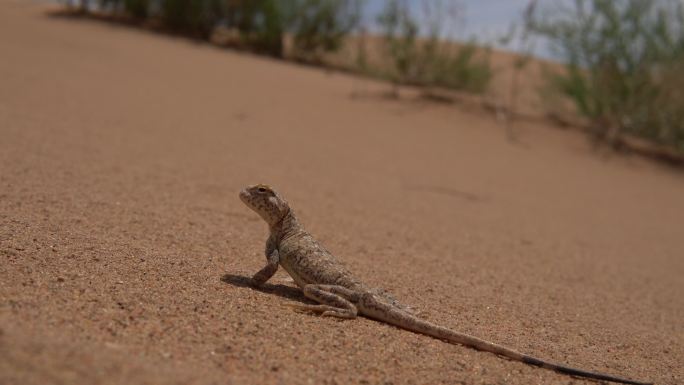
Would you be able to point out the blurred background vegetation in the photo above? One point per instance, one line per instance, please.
(624, 65)
(622, 61)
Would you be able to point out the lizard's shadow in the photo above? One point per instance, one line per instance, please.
(284, 291)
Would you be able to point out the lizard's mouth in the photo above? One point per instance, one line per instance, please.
(244, 196)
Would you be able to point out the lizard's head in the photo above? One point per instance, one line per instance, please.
(265, 202)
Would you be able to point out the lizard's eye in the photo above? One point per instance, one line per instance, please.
(261, 190)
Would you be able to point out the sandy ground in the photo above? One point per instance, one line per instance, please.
(124, 250)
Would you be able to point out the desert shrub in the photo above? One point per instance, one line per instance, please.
(319, 26)
(261, 23)
(623, 65)
(78, 5)
(431, 60)
(400, 31)
(194, 17)
(467, 68)
(138, 9)
(111, 5)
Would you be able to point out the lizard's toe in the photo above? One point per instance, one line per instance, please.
(338, 314)
(306, 308)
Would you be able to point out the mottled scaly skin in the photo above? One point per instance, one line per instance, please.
(339, 294)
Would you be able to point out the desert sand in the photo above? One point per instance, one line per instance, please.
(125, 252)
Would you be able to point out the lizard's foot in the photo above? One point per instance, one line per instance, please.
(407, 309)
(339, 313)
(323, 310)
(318, 309)
(334, 299)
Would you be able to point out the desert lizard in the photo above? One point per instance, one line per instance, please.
(339, 294)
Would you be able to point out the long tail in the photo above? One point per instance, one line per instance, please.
(387, 313)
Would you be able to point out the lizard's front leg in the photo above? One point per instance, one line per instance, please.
(272, 260)
(336, 301)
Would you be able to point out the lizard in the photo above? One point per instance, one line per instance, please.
(338, 293)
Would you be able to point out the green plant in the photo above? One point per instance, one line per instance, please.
(623, 65)
(261, 23)
(465, 69)
(400, 31)
(521, 35)
(80, 5)
(195, 17)
(138, 9)
(433, 60)
(319, 26)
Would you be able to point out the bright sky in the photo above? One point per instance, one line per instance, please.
(487, 20)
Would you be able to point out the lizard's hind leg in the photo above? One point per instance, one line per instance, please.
(332, 301)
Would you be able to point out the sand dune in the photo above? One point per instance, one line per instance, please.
(124, 249)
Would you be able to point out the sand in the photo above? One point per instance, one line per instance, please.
(125, 251)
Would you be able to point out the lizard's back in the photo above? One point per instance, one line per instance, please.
(308, 262)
